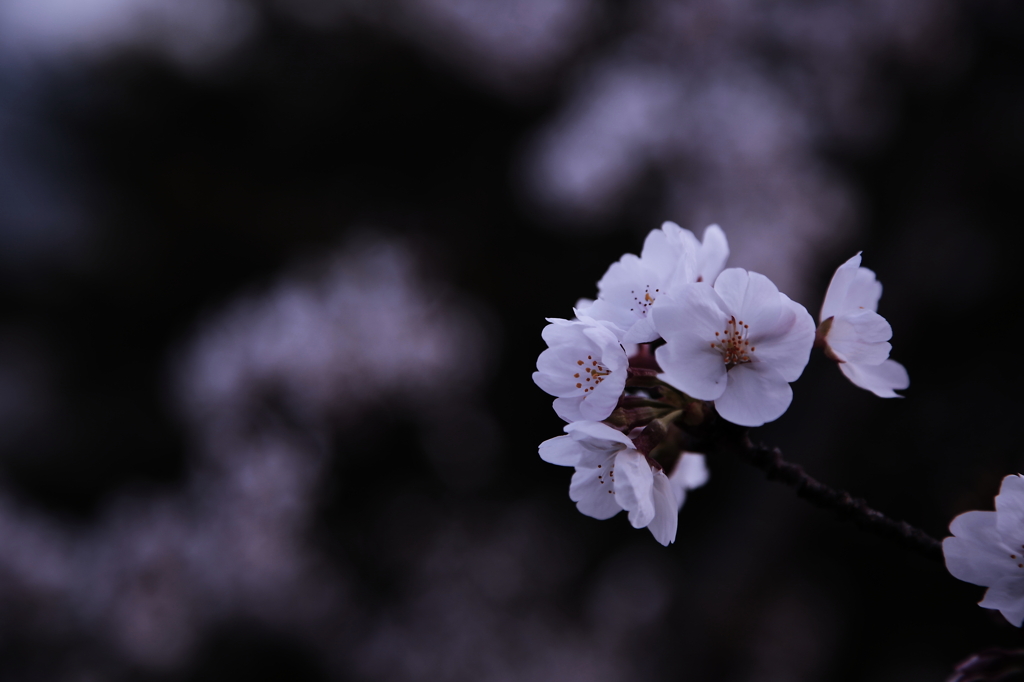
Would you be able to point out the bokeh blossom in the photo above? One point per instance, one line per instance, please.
(738, 343)
(987, 548)
(855, 335)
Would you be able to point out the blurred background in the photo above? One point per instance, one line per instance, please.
(272, 280)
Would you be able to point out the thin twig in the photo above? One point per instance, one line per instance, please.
(856, 509)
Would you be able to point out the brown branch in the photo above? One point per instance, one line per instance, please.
(769, 460)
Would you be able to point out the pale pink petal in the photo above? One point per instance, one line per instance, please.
(556, 367)
(627, 291)
(861, 337)
(1007, 595)
(593, 493)
(584, 316)
(1010, 505)
(835, 297)
(582, 305)
(864, 291)
(595, 430)
(752, 298)
(601, 402)
(714, 253)
(977, 554)
(568, 409)
(614, 358)
(698, 310)
(693, 368)
(666, 510)
(641, 332)
(616, 315)
(669, 249)
(787, 345)
(549, 383)
(689, 358)
(657, 253)
(882, 380)
(756, 394)
(561, 450)
(633, 485)
(600, 335)
(560, 332)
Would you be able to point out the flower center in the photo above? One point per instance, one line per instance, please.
(643, 299)
(733, 344)
(594, 373)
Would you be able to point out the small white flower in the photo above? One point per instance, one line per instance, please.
(612, 475)
(988, 549)
(855, 335)
(671, 258)
(584, 367)
(739, 344)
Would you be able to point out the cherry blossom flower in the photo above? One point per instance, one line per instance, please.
(855, 335)
(987, 548)
(671, 259)
(739, 344)
(612, 475)
(584, 367)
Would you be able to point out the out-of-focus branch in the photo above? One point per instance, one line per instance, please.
(989, 666)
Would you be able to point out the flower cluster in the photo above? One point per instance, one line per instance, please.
(674, 337)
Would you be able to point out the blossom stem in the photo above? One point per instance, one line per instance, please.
(769, 460)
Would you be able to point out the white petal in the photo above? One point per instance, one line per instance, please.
(560, 357)
(634, 482)
(864, 291)
(1010, 511)
(620, 318)
(641, 332)
(598, 431)
(561, 450)
(669, 249)
(787, 345)
(624, 277)
(693, 368)
(714, 253)
(601, 402)
(592, 491)
(1007, 595)
(666, 510)
(555, 369)
(882, 380)
(569, 409)
(835, 297)
(627, 290)
(756, 394)
(752, 298)
(560, 332)
(691, 472)
(689, 359)
(860, 337)
(976, 554)
(698, 310)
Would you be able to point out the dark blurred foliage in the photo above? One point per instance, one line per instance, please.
(430, 542)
